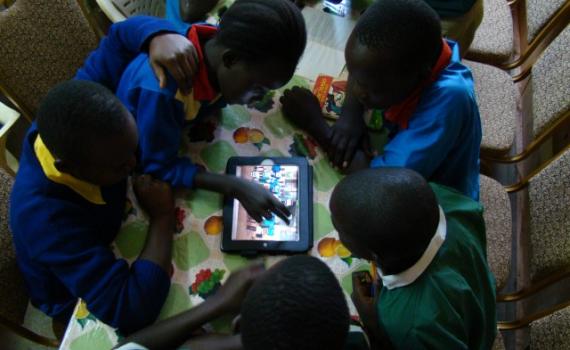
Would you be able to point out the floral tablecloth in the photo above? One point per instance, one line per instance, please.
(198, 265)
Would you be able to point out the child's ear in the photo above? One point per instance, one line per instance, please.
(229, 58)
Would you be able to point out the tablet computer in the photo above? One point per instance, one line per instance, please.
(290, 180)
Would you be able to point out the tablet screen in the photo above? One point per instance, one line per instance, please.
(283, 182)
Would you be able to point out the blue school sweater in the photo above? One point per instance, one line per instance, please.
(63, 227)
(161, 114)
(443, 137)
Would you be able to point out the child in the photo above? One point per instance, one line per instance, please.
(72, 182)
(398, 62)
(255, 49)
(297, 304)
(69, 197)
(428, 242)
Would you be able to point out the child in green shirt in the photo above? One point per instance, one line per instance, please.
(428, 241)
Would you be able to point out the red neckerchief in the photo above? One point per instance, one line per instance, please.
(201, 87)
(400, 114)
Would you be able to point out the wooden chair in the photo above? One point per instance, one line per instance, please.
(13, 295)
(494, 41)
(6, 3)
(96, 17)
(119, 10)
(551, 331)
(43, 43)
(541, 246)
(497, 100)
(513, 36)
(498, 224)
(526, 118)
(8, 118)
(514, 32)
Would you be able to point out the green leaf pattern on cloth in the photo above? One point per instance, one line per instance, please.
(176, 301)
(95, 339)
(322, 221)
(131, 238)
(234, 116)
(204, 203)
(216, 155)
(189, 251)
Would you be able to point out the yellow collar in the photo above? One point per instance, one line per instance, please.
(191, 105)
(87, 190)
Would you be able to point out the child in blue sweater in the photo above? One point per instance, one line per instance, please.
(69, 195)
(256, 48)
(399, 63)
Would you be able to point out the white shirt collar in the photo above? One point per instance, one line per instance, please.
(410, 275)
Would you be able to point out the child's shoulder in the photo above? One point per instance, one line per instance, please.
(35, 196)
(450, 199)
(456, 80)
(54, 216)
(451, 94)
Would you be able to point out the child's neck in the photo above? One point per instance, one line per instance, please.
(212, 58)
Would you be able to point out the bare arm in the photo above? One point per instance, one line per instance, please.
(157, 200)
(347, 132)
(256, 200)
(172, 332)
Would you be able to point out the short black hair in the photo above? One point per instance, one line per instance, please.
(74, 114)
(392, 211)
(299, 305)
(263, 30)
(409, 29)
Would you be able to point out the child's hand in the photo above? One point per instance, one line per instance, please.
(301, 107)
(230, 296)
(363, 299)
(177, 55)
(258, 201)
(154, 196)
(345, 138)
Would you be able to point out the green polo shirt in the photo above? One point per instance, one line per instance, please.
(451, 305)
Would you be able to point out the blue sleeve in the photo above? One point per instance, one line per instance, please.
(128, 298)
(431, 134)
(173, 15)
(124, 41)
(159, 121)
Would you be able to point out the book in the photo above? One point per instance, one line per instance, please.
(331, 93)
